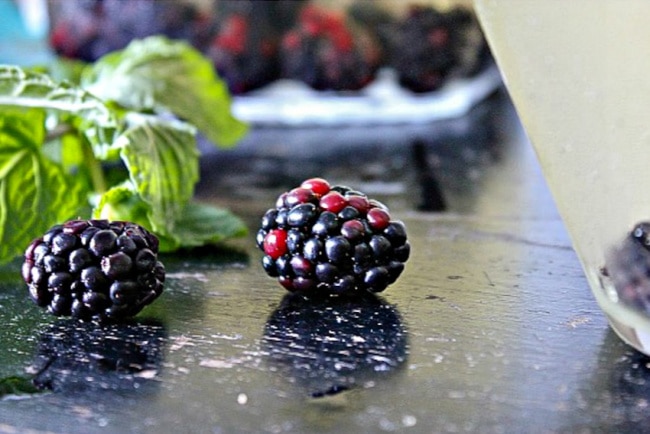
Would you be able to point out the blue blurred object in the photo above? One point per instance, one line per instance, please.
(23, 32)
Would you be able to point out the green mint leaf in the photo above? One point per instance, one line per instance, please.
(122, 202)
(204, 224)
(163, 165)
(67, 103)
(197, 225)
(17, 386)
(167, 76)
(35, 193)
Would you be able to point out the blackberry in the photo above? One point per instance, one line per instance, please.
(628, 268)
(94, 269)
(326, 52)
(244, 50)
(429, 46)
(89, 29)
(322, 239)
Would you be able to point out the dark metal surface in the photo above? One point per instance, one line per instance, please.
(491, 328)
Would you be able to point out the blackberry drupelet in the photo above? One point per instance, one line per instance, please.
(323, 240)
(94, 269)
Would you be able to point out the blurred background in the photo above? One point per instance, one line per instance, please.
(396, 95)
(374, 47)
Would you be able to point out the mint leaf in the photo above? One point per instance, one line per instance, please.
(204, 224)
(20, 88)
(17, 386)
(163, 165)
(167, 76)
(35, 193)
(122, 202)
(197, 225)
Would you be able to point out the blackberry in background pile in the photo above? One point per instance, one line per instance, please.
(88, 29)
(94, 269)
(324, 240)
(326, 53)
(244, 50)
(430, 46)
(253, 43)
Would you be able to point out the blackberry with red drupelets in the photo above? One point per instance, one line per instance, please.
(321, 240)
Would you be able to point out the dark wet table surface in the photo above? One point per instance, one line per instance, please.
(491, 327)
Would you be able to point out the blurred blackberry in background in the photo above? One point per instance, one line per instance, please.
(94, 269)
(245, 46)
(430, 46)
(327, 53)
(244, 50)
(322, 240)
(253, 43)
(88, 29)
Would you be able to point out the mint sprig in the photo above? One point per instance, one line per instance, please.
(120, 145)
(166, 77)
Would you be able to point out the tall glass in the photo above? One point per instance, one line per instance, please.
(578, 72)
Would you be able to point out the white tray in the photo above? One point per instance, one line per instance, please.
(293, 103)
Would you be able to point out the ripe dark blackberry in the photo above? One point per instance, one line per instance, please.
(322, 239)
(327, 53)
(94, 269)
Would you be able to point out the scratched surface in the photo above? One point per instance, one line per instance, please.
(491, 328)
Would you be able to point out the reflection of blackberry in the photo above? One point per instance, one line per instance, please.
(94, 269)
(429, 46)
(74, 356)
(325, 53)
(343, 343)
(322, 239)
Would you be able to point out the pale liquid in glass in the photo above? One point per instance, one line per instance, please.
(578, 72)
